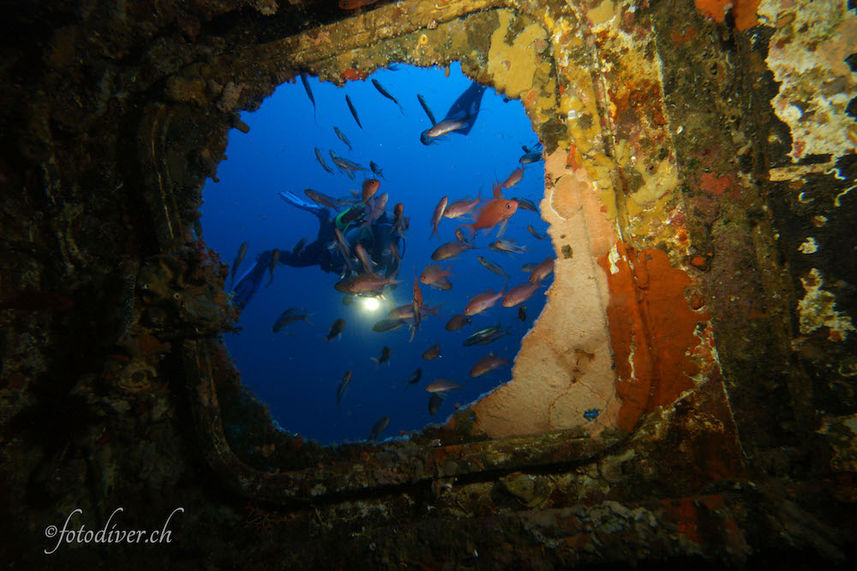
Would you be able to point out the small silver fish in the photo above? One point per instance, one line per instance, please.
(353, 110)
(526, 204)
(242, 251)
(488, 264)
(321, 161)
(435, 400)
(275, 257)
(288, 316)
(342, 137)
(535, 234)
(386, 94)
(444, 127)
(457, 322)
(379, 427)
(415, 378)
(343, 384)
(345, 164)
(427, 109)
(387, 325)
(442, 386)
(484, 336)
(503, 245)
(384, 358)
(309, 93)
(335, 329)
(432, 352)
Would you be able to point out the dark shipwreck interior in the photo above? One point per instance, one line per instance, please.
(700, 174)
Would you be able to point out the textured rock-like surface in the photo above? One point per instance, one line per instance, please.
(701, 199)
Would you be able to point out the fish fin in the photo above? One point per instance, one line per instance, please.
(472, 228)
(502, 227)
(433, 310)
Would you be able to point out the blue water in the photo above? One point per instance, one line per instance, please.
(296, 371)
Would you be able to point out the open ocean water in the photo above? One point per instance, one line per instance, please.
(296, 371)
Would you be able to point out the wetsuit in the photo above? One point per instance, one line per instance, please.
(376, 238)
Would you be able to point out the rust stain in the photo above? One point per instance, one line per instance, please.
(572, 159)
(684, 512)
(352, 74)
(638, 99)
(717, 185)
(683, 37)
(652, 328)
(743, 11)
(531, 97)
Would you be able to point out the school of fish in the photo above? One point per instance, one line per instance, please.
(473, 217)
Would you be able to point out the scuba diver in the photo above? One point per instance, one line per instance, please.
(380, 239)
(460, 117)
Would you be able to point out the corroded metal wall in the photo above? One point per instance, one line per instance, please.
(700, 172)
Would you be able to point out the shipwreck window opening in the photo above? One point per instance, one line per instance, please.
(297, 371)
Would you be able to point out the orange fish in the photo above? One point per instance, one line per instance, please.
(363, 256)
(354, 4)
(407, 311)
(442, 284)
(514, 178)
(480, 302)
(364, 283)
(399, 219)
(417, 305)
(519, 294)
(432, 273)
(461, 207)
(542, 271)
(486, 364)
(432, 352)
(370, 187)
(441, 386)
(438, 214)
(457, 322)
(449, 250)
(493, 212)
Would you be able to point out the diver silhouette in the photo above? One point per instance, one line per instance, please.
(380, 239)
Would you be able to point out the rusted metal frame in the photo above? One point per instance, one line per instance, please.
(155, 130)
(308, 48)
(560, 447)
(505, 454)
